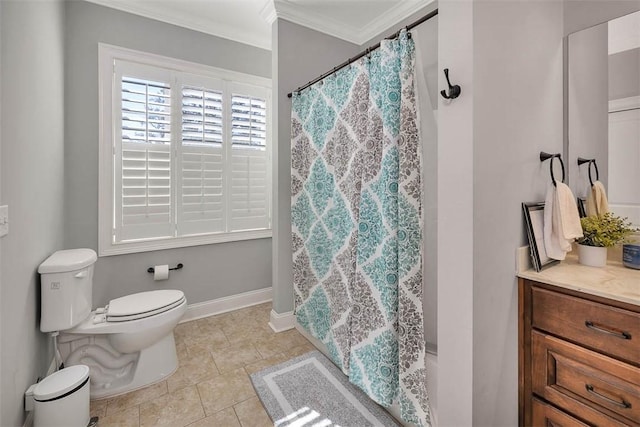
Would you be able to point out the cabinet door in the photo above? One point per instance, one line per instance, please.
(545, 415)
(596, 388)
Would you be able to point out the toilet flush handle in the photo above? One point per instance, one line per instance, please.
(80, 275)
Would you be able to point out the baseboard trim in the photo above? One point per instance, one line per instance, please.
(280, 322)
(226, 304)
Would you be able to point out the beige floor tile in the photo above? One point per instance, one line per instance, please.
(192, 370)
(251, 413)
(225, 390)
(127, 418)
(235, 356)
(179, 408)
(98, 408)
(220, 320)
(183, 330)
(299, 350)
(205, 334)
(265, 363)
(225, 418)
(280, 342)
(181, 351)
(248, 331)
(135, 398)
(215, 355)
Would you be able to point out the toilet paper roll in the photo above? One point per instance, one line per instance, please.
(161, 272)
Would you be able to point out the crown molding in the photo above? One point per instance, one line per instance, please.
(193, 22)
(268, 12)
(290, 10)
(354, 34)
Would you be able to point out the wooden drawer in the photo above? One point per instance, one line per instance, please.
(546, 415)
(592, 387)
(606, 329)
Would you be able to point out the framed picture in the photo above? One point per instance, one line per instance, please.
(534, 223)
(582, 211)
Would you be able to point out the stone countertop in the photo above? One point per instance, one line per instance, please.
(614, 281)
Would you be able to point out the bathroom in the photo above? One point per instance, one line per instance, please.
(511, 108)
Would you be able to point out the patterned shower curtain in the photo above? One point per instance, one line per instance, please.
(357, 224)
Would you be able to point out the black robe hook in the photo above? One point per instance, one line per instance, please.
(454, 91)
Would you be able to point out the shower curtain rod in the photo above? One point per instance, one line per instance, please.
(365, 52)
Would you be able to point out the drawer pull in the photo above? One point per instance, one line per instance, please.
(623, 404)
(622, 335)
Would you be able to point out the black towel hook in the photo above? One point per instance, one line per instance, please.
(546, 156)
(582, 161)
(454, 91)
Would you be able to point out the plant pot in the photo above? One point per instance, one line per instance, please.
(593, 256)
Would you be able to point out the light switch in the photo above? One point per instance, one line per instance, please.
(4, 220)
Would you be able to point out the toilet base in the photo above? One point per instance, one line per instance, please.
(114, 373)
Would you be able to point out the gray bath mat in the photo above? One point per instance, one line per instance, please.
(311, 391)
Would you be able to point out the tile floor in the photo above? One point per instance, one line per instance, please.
(211, 386)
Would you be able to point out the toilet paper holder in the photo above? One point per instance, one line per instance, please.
(177, 267)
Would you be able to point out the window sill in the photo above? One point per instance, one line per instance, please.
(180, 242)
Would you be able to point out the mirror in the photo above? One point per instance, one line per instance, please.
(603, 101)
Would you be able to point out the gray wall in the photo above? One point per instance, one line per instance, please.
(455, 217)
(32, 135)
(517, 113)
(588, 104)
(211, 271)
(624, 74)
(300, 54)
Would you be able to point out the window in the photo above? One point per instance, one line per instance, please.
(185, 154)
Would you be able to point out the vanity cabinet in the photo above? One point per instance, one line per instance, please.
(579, 358)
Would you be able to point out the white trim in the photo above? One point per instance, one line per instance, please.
(268, 12)
(182, 242)
(175, 64)
(298, 14)
(622, 104)
(192, 21)
(226, 304)
(281, 322)
(108, 55)
(293, 11)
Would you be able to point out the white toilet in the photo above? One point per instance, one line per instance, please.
(127, 344)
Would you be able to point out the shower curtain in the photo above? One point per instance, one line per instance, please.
(356, 221)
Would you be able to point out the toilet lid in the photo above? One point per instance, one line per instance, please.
(143, 304)
(61, 383)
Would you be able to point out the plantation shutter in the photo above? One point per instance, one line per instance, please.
(143, 196)
(201, 195)
(249, 187)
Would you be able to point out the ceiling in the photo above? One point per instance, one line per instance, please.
(249, 21)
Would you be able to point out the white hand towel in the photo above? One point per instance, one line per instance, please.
(597, 203)
(569, 219)
(564, 243)
(552, 241)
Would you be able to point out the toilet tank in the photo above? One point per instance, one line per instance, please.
(66, 283)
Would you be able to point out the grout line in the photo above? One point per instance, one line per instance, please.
(201, 404)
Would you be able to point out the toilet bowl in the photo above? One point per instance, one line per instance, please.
(128, 344)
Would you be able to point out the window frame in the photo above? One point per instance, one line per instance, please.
(107, 55)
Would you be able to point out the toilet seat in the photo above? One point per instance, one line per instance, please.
(143, 304)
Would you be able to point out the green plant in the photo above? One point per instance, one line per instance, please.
(605, 230)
